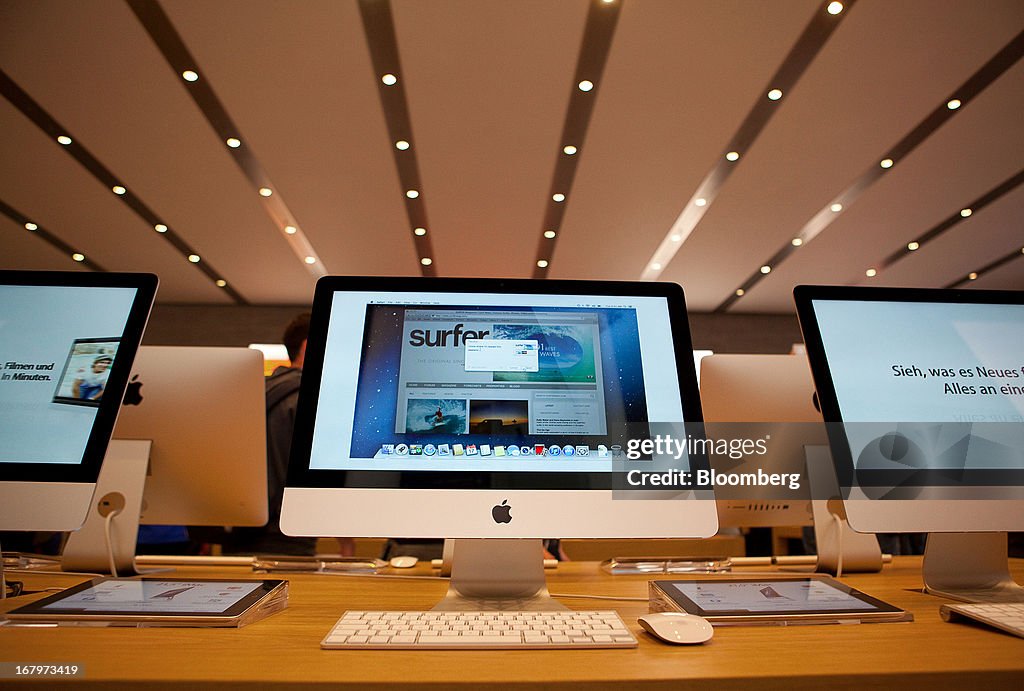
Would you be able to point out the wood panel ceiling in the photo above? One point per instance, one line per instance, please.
(484, 92)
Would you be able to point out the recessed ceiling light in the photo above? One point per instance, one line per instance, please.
(117, 189)
(775, 94)
(389, 79)
(194, 258)
(886, 163)
(233, 142)
(160, 228)
(740, 292)
(558, 197)
(31, 226)
(766, 269)
(586, 85)
(655, 266)
(64, 139)
(311, 260)
(834, 7)
(569, 150)
(966, 212)
(189, 76)
(870, 273)
(972, 276)
(542, 263)
(290, 230)
(796, 242)
(426, 261)
(701, 201)
(412, 194)
(675, 237)
(266, 192)
(550, 234)
(401, 145)
(78, 257)
(953, 104)
(913, 246)
(732, 156)
(221, 282)
(836, 208)
(420, 231)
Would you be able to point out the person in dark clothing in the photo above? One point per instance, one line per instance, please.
(282, 397)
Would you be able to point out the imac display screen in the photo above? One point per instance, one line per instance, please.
(67, 341)
(57, 346)
(927, 381)
(442, 383)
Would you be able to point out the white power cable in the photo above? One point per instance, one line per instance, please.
(110, 542)
(839, 543)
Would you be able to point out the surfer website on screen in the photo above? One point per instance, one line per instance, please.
(57, 345)
(948, 377)
(459, 381)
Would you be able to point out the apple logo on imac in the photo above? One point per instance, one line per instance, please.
(132, 393)
(502, 513)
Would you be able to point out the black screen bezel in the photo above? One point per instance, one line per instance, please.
(301, 475)
(88, 469)
(804, 296)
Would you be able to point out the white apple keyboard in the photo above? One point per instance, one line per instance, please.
(480, 630)
(1005, 616)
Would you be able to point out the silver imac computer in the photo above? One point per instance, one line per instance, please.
(67, 341)
(486, 408)
(923, 396)
(189, 448)
(762, 397)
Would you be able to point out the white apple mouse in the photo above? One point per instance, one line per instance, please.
(402, 562)
(677, 627)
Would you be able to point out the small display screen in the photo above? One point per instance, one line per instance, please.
(771, 596)
(153, 596)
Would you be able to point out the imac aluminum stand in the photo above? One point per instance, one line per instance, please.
(118, 496)
(971, 567)
(840, 548)
(498, 574)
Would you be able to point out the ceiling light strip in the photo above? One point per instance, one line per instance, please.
(965, 93)
(379, 27)
(73, 146)
(45, 235)
(1014, 255)
(954, 219)
(167, 39)
(814, 37)
(598, 32)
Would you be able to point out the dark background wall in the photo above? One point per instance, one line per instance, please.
(229, 325)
